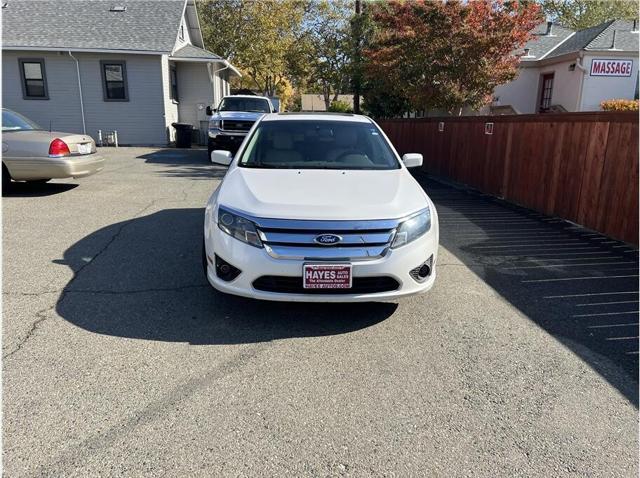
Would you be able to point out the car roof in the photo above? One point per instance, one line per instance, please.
(310, 116)
(246, 96)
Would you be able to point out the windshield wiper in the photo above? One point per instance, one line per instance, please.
(264, 166)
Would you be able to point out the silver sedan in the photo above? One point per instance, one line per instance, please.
(30, 153)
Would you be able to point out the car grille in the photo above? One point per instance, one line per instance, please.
(293, 285)
(298, 239)
(236, 125)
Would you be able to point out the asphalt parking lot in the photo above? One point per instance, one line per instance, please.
(120, 360)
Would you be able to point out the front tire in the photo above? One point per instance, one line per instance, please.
(6, 179)
(204, 261)
(211, 145)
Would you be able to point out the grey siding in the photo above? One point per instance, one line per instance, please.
(139, 121)
(194, 88)
(170, 106)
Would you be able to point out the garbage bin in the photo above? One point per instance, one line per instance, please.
(183, 134)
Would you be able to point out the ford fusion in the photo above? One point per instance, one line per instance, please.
(319, 207)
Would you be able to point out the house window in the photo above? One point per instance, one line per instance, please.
(174, 83)
(546, 92)
(181, 32)
(34, 79)
(114, 80)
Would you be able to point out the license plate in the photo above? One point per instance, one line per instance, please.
(327, 276)
(84, 148)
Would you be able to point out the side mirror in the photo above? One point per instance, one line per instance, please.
(412, 160)
(219, 156)
(210, 110)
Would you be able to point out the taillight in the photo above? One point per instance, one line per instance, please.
(58, 148)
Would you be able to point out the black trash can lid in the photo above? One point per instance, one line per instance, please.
(182, 125)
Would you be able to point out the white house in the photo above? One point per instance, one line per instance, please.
(133, 66)
(562, 69)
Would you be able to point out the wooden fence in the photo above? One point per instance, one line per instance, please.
(579, 166)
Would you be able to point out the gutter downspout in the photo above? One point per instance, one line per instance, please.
(84, 128)
(584, 72)
(212, 74)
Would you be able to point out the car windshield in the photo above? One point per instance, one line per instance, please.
(12, 121)
(257, 105)
(323, 144)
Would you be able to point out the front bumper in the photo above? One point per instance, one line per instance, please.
(255, 263)
(221, 137)
(28, 169)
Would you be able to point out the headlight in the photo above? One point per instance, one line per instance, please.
(214, 124)
(238, 227)
(412, 228)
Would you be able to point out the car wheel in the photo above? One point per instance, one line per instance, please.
(204, 260)
(6, 179)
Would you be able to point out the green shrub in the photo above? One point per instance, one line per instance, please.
(340, 106)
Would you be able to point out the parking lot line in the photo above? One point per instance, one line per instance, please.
(571, 265)
(602, 314)
(608, 303)
(578, 278)
(589, 295)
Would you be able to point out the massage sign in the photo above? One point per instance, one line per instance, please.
(611, 67)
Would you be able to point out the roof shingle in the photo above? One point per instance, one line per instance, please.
(146, 25)
(600, 37)
(540, 44)
(626, 38)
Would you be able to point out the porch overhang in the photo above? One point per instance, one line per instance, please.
(193, 54)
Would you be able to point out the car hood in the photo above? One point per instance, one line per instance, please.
(322, 194)
(238, 115)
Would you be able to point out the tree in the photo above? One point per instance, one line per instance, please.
(339, 106)
(327, 48)
(579, 14)
(260, 37)
(431, 55)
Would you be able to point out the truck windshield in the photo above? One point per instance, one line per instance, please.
(322, 144)
(257, 105)
(12, 121)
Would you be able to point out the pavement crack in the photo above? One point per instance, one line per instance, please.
(113, 238)
(153, 410)
(29, 294)
(41, 316)
(137, 291)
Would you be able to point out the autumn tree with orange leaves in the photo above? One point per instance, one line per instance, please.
(443, 54)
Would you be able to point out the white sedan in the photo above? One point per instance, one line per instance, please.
(319, 207)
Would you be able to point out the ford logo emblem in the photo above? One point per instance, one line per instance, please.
(327, 239)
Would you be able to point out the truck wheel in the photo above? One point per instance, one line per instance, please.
(211, 145)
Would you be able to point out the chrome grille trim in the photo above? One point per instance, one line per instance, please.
(348, 239)
(318, 227)
(335, 253)
(293, 239)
